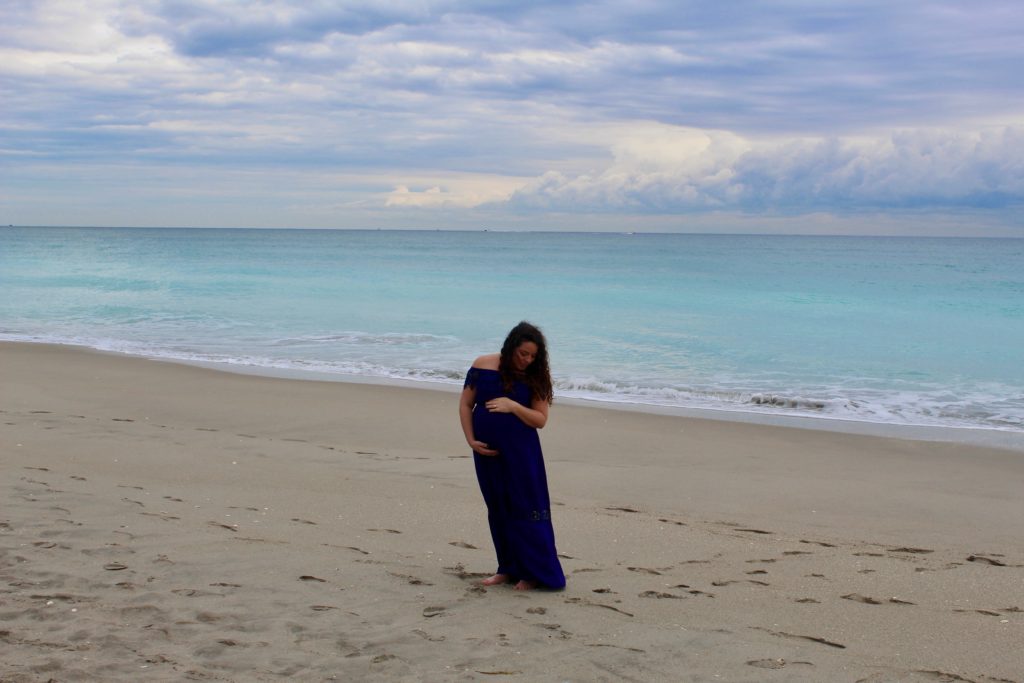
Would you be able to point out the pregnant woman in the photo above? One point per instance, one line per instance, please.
(504, 402)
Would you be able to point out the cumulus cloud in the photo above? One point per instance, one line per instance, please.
(456, 192)
(666, 169)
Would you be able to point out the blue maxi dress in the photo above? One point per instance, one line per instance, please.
(514, 485)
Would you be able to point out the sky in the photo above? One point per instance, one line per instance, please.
(801, 116)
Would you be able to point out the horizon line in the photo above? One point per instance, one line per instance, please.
(520, 231)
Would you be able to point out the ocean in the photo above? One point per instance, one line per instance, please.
(880, 330)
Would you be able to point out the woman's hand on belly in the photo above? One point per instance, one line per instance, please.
(481, 448)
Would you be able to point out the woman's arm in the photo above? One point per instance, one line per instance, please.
(466, 402)
(535, 416)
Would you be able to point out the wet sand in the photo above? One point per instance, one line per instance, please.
(165, 522)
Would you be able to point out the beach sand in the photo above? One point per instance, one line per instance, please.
(166, 522)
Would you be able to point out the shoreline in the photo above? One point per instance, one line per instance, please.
(179, 522)
(975, 436)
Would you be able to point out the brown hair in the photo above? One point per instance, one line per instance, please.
(537, 375)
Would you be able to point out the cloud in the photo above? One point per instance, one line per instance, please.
(456, 192)
(532, 108)
(666, 169)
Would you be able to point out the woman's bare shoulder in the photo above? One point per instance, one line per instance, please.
(489, 361)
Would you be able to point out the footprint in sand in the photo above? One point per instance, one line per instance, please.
(303, 521)
(732, 581)
(460, 571)
(774, 663)
(617, 647)
(660, 596)
(386, 531)
(644, 570)
(434, 611)
(987, 613)
(463, 544)
(603, 606)
(346, 547)
(426, 636)
(194, 592)
(162, 515)
(982, 559)
(794, 636)
(564, 635)
(768, 663)
(413, 580)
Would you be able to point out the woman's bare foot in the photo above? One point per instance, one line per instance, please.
(525, 585)
(495, 580)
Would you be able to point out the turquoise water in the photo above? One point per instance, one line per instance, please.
(887, 330)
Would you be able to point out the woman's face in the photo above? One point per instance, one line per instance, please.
(524, 354)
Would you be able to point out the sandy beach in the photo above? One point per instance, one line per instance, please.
(165, 522)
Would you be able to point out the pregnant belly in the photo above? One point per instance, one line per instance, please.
(491, 427)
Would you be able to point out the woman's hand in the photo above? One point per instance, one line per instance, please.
(535, 416)
(501, 404)
(481, 448)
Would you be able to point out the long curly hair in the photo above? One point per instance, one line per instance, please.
(537, 375)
